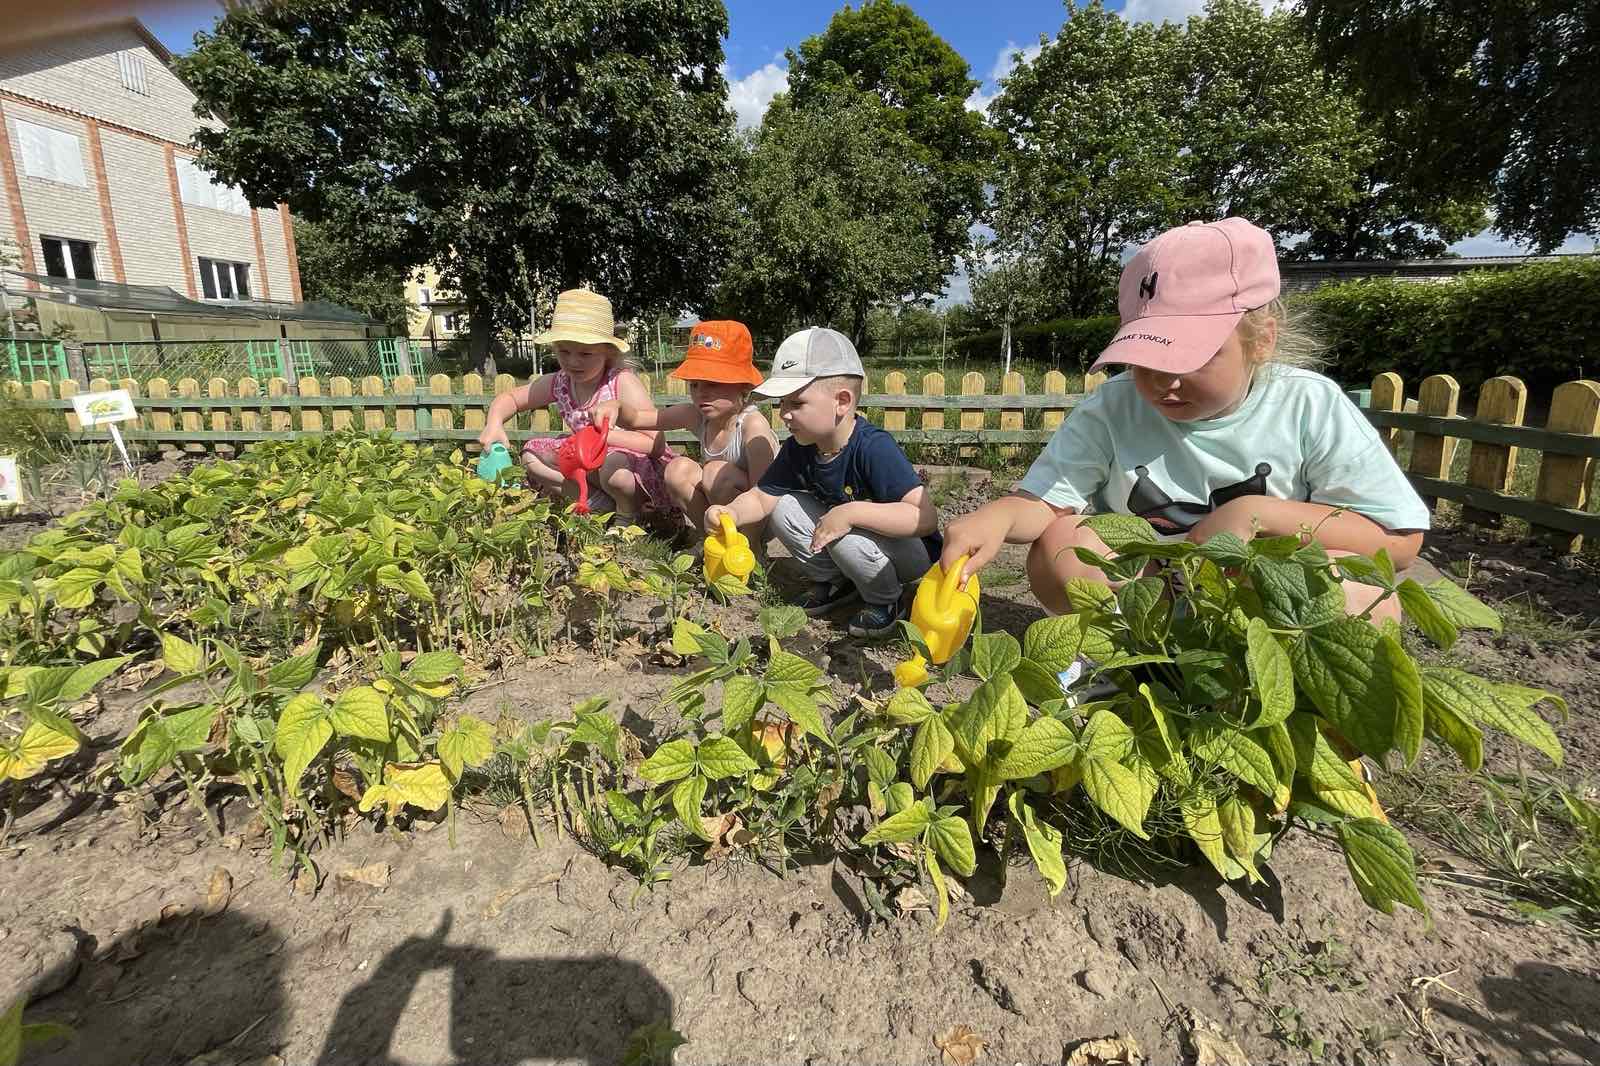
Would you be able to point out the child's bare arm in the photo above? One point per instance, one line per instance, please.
(1334, 528)
(748, 508)
(634, 398)
(760, 447)
(508, 405)
(1020, 518)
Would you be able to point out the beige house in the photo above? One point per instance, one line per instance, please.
(435, 314)
(97, 181)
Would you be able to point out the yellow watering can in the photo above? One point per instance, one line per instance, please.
(943, 611)
(728, 552)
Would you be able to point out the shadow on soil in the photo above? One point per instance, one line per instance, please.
(211, 989)
(1548, 1012)
(501, 1010)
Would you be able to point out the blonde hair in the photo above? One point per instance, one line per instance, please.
(843, 381)
(1298, 343)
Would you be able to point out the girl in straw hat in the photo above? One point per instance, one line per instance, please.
(736, 443)
(592, 374)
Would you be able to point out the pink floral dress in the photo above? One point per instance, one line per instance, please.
(647, 469)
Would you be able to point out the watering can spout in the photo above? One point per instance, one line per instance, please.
(943, 612)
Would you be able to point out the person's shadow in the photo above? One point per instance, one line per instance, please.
(1546, 1011)
(501, 1010)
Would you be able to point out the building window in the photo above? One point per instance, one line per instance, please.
(50, 154)
(452, 322)
(131, 66)
(425, 296)
(197, 188)
(65, 258)
(221, 280)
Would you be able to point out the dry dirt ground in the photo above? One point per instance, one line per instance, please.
(496, 951)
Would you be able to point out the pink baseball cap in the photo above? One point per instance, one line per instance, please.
(1185, 291)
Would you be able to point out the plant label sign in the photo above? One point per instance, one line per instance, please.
(10, 483)
(104, 408)
(107, 409)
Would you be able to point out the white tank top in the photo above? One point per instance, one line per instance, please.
(733, 451)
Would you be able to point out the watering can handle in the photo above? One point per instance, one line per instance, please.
(951, 582)
(729, 529)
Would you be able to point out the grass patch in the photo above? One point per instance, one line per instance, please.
(1003, 577)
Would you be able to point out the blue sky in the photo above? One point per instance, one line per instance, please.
(988, 34)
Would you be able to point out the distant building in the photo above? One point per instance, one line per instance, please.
(1305, 276)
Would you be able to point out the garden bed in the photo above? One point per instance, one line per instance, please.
(406, 947)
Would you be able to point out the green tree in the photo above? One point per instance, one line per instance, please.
(833, 215)
(1499, 92)
(887, 49)
(332, 269)
(516, 145)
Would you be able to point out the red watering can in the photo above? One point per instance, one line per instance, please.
(580, 455)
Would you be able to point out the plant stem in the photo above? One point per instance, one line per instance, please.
(11, 812)
(197, 799)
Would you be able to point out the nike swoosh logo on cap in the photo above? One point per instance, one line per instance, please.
(790, 365)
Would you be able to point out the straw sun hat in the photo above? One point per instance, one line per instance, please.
(582, 317)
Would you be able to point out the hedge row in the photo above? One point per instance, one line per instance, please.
(1539, 322)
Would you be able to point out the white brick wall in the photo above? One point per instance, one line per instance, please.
(141, 206)
(81, 72)
(54, 209)
(277, 254)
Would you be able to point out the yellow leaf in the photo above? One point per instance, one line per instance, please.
(36, 747)
(424, 786)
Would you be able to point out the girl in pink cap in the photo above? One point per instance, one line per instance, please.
(1217, 425)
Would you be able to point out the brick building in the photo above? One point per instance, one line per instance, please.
(97, 179)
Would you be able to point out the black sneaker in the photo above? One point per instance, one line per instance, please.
(825, 598)
(877, 620)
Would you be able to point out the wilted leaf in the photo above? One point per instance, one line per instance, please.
(1107, 1051)
(959, 1046)
(218, 892)
(376, 875)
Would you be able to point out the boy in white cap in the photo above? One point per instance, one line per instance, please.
(1218, 425)
(842, 497)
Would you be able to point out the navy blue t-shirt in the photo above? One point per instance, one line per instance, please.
(872, 467)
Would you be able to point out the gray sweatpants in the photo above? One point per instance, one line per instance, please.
(877, 565)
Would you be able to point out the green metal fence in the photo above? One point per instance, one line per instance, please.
(30, 360)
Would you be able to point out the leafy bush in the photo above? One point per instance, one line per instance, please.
(1067, 341)
(1242, 691)
(1539, 322)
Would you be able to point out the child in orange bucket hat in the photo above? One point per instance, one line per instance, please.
(736, 443)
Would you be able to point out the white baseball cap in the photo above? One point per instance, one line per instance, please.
(808, 355)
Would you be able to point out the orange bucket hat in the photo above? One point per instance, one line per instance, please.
(721, 352)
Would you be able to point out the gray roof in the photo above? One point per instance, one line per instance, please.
(163, 300)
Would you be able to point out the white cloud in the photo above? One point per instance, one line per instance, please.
(749, 96)
(1010, 56)
(1178, 10)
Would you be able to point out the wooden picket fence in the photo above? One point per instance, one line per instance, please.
(1556, 461)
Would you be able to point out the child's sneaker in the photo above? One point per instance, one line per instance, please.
(825, 598)
(877, 619)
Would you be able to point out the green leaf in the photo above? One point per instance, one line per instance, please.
(1144, 608)
(783, 621)
(1044, 745)
(1117, 530)
(435, 667)
(995, 711)
(1478, 701)
(1334, 782)
(931, 860)
(881, 769)
(1044, 843)
(953, 842)
(672, 760)
(1054, 643)
(1271, 674)
(180, 656)
(789, 671)
(303, 730)
(1106, 738)
(622, 808)
(688, 797)
(1381, 864)
(686, 637)
(1238, 821)
(994, 654)
(742, 697)
(907, 825)
(597, 729)
(801, 707)
(361, 712)
(931, 745)
(1462, 608)
(1117, 790)
(721, 757)
(1226, 746)
(470, 742)
(75, 589)
(412, 584)
(1295, 597)
(293, 673)
(898, 796)
(1406, 684)
(1227, 550)
(1353, 683)
(1204, 825)
(1086, 595)
(908, 706)
(1425, 611)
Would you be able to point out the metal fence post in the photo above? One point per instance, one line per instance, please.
(286, 366)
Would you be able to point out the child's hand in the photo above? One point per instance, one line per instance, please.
(713, 519)
(608, 411)
(835, 524)
(978, 536)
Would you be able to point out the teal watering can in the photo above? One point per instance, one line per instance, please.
(493, 461)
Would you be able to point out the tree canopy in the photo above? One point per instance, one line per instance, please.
(1497, 92)
(518, 147)
(333, 269)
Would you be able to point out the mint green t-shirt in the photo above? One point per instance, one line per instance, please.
(1297, 436)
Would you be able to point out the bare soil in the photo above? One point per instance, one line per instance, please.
(495, 951)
